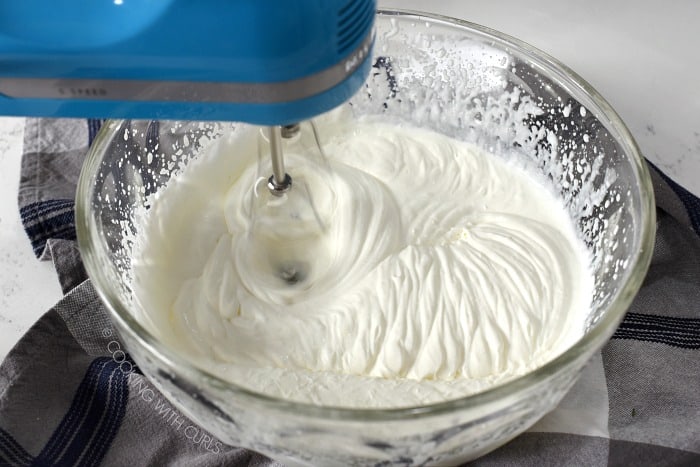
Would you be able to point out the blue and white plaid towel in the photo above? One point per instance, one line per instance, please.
(66, 399)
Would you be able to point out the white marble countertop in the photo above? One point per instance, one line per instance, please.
(643, 60)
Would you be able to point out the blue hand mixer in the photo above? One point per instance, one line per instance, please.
(272, 62)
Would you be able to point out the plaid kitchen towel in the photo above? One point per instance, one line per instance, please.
(65, 399)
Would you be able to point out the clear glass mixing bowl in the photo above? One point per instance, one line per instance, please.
(459, 79)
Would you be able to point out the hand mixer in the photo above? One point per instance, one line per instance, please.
(273, 62)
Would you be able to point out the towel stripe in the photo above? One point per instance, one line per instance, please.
(33, 210)
(659, 340)
(94, 125)
(673, 331)
(45, 220)
(11, 452)
(682, 324)
(84, 395)
(111, 420)
(690, 201)
(41, 208)
(87, 430)
(97, 419)
(96, 410)
(61, 221)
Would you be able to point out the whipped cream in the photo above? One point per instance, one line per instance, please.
(423, 268)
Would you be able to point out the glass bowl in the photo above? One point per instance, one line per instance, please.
(453, 77)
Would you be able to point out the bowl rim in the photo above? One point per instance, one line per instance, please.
(583, 348)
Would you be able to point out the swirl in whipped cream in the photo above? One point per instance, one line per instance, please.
(438, 270)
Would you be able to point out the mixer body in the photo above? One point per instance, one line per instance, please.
(271, 63)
